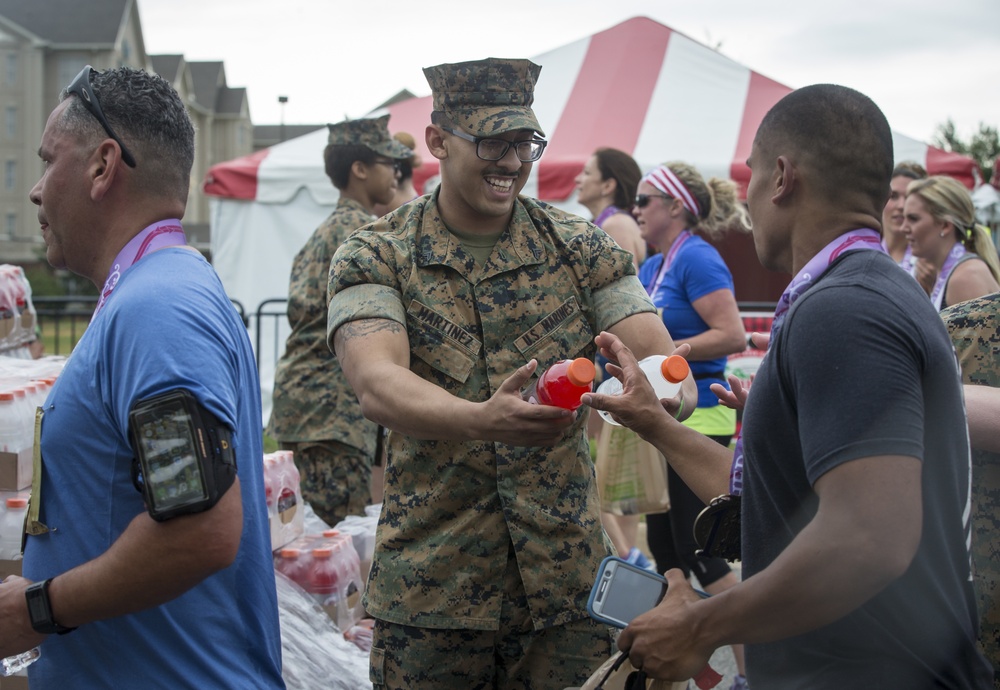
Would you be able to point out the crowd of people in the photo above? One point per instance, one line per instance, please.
(867, 546)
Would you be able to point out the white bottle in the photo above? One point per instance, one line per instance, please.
(16, 663)
(12, 528)
(664, 373)
(10, 423)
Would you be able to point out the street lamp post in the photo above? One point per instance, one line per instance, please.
(282, 100)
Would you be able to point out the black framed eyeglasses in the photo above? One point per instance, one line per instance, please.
(82, 88)
(642, 200)
(394, 164)
(527, 151)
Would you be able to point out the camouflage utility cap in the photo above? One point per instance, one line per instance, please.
(486, 97)
(370, 132)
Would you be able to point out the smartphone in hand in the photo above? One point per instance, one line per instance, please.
(623, 591)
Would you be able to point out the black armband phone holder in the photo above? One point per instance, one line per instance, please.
(184, 455)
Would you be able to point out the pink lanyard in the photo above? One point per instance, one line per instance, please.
(166, 233)
(864, 238)
(668, 259)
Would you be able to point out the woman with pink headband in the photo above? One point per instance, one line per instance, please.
(692, 287)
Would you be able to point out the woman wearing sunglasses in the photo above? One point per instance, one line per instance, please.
(691, 286)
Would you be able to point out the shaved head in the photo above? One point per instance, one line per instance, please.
(839, 135)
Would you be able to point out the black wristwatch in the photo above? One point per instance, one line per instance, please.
(40, 609)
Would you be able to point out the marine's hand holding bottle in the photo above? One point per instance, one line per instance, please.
(508, 418)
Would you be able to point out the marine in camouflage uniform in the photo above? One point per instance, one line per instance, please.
(315, 411)
(975, 330)
(485, 552)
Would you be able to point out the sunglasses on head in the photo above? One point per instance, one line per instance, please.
(641, 200)
(82, 88)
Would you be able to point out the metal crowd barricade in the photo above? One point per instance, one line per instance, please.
(62, 320)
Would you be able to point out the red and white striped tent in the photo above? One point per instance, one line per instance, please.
(638, 86)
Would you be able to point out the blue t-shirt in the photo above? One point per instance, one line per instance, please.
(168, 324)
(697, 270)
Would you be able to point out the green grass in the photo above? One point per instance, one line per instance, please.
(270, 445)
(66, 339)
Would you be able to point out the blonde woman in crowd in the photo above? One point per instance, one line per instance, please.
(940, 225)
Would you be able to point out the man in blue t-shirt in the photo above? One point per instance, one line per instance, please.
(856, 466)
(147, 561)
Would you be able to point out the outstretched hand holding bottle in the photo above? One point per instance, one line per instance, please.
(664, 373)
(639, 407)
(18, 640)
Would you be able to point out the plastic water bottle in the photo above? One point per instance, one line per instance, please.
(562, 384)
(12, 528)
(664, 373)
(18, 662)
(10, 423)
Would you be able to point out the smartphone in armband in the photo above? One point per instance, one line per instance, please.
(623, 591)
(184, 455)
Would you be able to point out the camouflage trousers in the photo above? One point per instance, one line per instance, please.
(335, 478)
(515, 657)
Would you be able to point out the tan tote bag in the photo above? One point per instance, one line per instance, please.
(631, 474)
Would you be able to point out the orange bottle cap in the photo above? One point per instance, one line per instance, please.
(17, 502)
(581, 372)
(322, 553)
(675, 368)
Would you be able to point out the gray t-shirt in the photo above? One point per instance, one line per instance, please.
(862, 367)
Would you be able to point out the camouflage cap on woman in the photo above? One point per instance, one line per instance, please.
(370, 132)
(486, 97)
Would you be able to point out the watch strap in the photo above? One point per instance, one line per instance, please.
(40, 609)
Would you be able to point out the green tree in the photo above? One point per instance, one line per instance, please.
(983, 146)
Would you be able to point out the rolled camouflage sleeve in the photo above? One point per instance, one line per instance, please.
(363, 302)
(619, 300)
(361, 286)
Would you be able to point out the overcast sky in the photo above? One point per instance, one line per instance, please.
(922, 62)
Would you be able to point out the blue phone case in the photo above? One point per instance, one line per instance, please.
(597, 583)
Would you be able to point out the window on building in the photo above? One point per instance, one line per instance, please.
(10, 121)
(10, 175)
(11, 68)
(10, 225)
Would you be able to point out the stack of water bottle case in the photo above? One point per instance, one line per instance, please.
(24, 385)
(328, 563)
